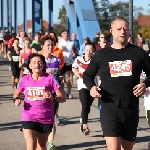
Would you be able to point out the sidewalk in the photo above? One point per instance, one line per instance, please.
(68, 135)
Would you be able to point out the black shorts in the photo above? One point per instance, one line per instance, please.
(1, 41)
(36, 126)
(119, 122)
(148, 116)
(65, 69)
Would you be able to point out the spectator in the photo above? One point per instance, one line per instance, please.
(139, 40)
(102, 42)
(86, 40)
(96, 39)
(76, 42)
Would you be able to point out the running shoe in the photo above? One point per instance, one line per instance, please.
(70, 96)
(9, 68)
(51, 146)
(57, 120)
(80, 120)
(85, 131)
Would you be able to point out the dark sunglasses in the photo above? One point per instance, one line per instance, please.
(102, 37)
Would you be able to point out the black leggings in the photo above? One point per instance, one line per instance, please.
(86, 102)
(15, 69)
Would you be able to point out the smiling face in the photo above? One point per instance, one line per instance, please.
(48, 47)
(120, 31)
(36, 65)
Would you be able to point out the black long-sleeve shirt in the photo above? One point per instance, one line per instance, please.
(119, 70)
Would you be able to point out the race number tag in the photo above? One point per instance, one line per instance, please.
(15, 58)
(35, 93)
(120, 68)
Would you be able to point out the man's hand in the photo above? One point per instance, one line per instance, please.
(139, 89)
(48, 95)
(94, 92)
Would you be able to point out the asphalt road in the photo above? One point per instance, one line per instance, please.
(67, 136)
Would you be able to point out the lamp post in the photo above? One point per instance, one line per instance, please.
(131, 16)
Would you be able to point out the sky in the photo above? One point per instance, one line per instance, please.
(59, 3)
(56, 6)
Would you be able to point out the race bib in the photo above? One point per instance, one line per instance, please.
(35, 93)
(15, 58)
(120, 68)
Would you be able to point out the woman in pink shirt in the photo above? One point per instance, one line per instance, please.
(37, 112)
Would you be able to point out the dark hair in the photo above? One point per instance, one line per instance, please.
(37, 33)
(16, 39)
(55, 39)
(91, 44)
(36, 55)
(13, 35)
(140, 34)
(43, 40)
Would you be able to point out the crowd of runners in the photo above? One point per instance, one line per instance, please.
(107, 68)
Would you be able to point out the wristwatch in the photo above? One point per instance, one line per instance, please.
(15, 99)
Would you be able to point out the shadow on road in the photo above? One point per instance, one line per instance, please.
(11, 125)
(84, 145)
(142, 139)
(72, 120)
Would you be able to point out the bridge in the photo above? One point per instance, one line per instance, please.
(81, 16)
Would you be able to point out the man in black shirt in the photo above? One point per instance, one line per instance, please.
(119, 67)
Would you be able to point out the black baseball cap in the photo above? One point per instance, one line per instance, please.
(87, 39)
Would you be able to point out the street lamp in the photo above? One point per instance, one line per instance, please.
(131, 16)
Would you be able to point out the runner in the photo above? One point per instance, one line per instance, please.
(1, 41)
(24, 55)
(7, 37)
(13, 57)
(119, 67)
(36, 45)
(57, 53)
(78, 67)
(52, 67)
(69, 54)
(37, 113)
(21, 37)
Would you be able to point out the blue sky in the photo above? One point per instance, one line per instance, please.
(57, 5)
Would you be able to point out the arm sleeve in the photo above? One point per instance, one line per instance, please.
(21, 85)
(146, 68)
(90, 73)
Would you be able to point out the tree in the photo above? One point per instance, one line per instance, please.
(119, 9)
(62, 16)
(148, 9)
(137, 11)
(145, 32)
(62, 21)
